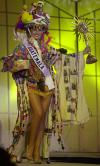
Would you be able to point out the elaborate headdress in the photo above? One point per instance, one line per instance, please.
(35, 16)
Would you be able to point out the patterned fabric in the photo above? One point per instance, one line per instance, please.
(21, 60)
(23, 118)
(26, 73)
(75, 109)
(68, 90)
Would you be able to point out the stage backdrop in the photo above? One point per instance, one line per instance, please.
(87, 137)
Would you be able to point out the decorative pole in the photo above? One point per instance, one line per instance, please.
(76, 16)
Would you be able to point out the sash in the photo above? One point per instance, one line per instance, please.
(40, 65)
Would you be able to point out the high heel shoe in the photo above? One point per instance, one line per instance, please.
(18, 159)
(29, 156)
(37, 158)
(30, 159)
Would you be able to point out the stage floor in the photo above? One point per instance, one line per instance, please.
(69, 159)
(58, 164)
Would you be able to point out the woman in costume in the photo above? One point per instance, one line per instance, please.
(31, 67)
